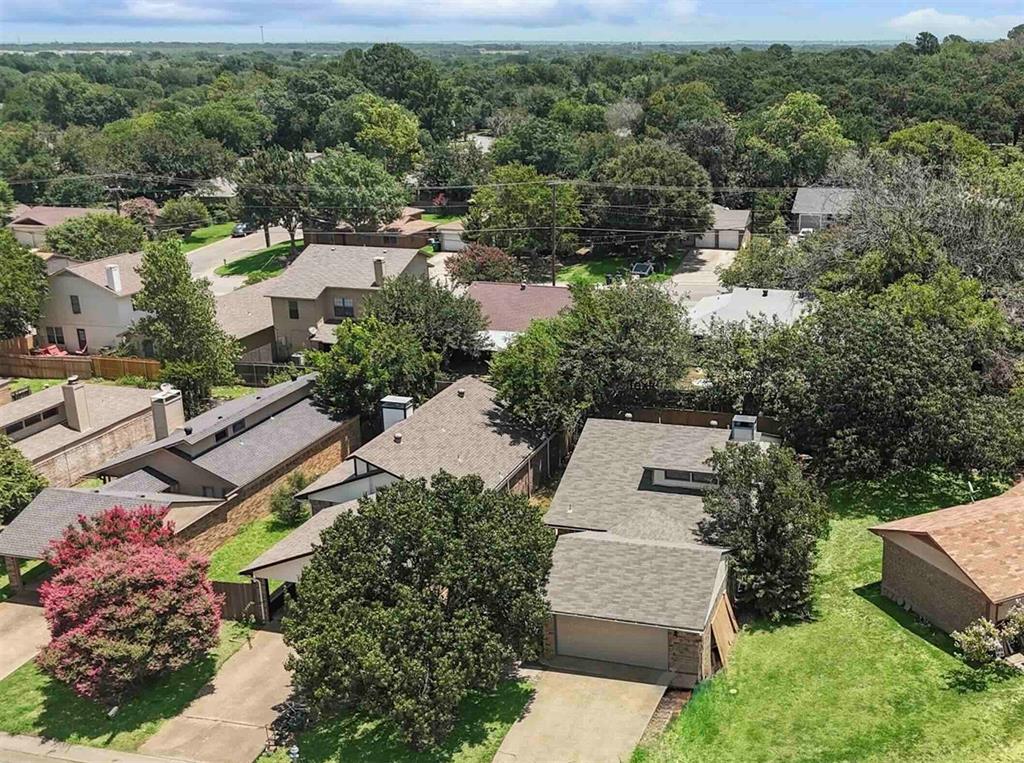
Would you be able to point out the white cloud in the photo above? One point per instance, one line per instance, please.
(172, 10)
(939, 23)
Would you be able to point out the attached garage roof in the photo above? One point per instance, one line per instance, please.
(985, 539)
(606, 576)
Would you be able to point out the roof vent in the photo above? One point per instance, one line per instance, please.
(461, 392)
(398, 437)
(764, 292)
(188, 430)
(629, 417)
(522, 286)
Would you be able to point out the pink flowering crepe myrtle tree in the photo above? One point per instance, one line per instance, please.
(125, 605)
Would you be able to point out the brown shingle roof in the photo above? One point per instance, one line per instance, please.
(96, 271)
(323, 266)
(985, 539)
(49, 216)
(246, 311)
(511, 306)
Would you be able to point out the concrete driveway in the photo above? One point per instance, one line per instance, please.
(696, 277)
(206, 259)
(23, 632)
(227, 722)
(584, 717)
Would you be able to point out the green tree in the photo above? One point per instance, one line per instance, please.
(273, 189)
(236, 121)
(538, 143)
(182, 321)
(184, 215)
(287, 508)
(445, 323)
(455, 163)
(19, 481)
(927, 44)
(671, 109)
(23, 287)
(940, 144)
(375, 127)
(422, 596)
(95, 235)
(6, 200)
(771, 518)
(347, 186)
(370, 360)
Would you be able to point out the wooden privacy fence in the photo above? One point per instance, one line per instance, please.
(63, 366)
(694, 418)
(245, 600)
(259, 374)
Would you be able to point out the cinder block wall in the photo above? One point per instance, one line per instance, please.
(210, 532)
(928, 591)
(70, 466)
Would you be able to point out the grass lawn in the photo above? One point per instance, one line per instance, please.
(203, 236)
(250, 541)
(593, 270)
(29, 572)
(476, 738)
(865, 681)
(264, 263)
(35, 704)
(231, 391)
(440, 219)
(36, 385)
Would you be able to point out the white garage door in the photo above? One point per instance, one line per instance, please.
(611, 642)
(707, 241)
(728, 239)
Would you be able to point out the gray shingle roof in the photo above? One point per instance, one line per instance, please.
(141, 481)
(636, 581)
(730, 219)
(323, 266)
(742, 303)
(601, 487)
(246, 311)
(823, 201)
(462, 435)
(302, 539)
(96, 271)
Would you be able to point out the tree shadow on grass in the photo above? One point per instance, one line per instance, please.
(356, 736)
(964, 679)
(907, 620)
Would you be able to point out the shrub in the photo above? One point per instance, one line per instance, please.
(979, 643)
(1012, 628)
(479, 262)
(130, 380)
(184, 214)
(114, 528)
(142, 210)
(19, 481)
(286, 508)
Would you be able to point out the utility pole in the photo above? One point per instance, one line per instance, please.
(554, 227)
(262, 41)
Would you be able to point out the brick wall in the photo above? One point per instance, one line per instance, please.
(71, 465)
(689, 657)
(549, 637)
(210, 532)
(928, 591)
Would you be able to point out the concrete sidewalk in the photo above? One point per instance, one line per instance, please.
(26, 749)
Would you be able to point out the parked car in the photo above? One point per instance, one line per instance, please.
(804, 233)
(642, 269)
(242, 230)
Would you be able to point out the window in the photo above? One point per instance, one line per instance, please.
(209, 492)
(33, 419)
(82, 341)
(221, 436)
(55, 334)
(49, 414)
(238, 426)
(344, 307)
(391, 241)
(76, 305)
(17, 426)
(672, 474)
(293, 309)
(704, 477)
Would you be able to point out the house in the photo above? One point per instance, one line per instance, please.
(730, 229)
(248, 316)
(462, 430)
(66, 431)
(408, 231)
(90, 304)
(29, 224)
(326, 285)
(449, 236)
(743, 303)
(818, 208)
(510, 307)
(955, 565)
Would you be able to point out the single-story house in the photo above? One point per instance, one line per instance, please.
(408, 231)
(326, 285)
(956, 565)
(730, 229)
(816, 208)
(29, 224)
(510, 307)
(248, 316)
(461, 430)
(743, 303)
(68, 430)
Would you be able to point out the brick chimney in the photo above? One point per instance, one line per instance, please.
(378, 271)
(76, 407)
(168, 411)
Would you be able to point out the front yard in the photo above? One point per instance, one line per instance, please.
(865, 681)
(260, 265)
(592, 270)
(204, 236)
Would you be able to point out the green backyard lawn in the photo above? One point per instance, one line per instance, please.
(476, 738)
(593, 270)
(260, 265)
(37, 705)
(208, 235)
(864, 682)
(248, 543)
(440, 219)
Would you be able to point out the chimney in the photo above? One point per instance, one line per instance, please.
(378, 271)
(114, 278)
(743, 428)
(395, 408)
(168, 411)
(76, 407)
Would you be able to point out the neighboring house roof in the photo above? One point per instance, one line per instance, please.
(246, 311)
(95, 271)
(142, 481)
(602, 575)
(300, 542)
(984, 539)
(107, 404)
(215, 188)
(54, 509)
(604, 482)
(823, 201)
(462, 434)
(455, 226)
(512, 306)
(323, 266)
(730, 219)
(50, 216)
(742, 303)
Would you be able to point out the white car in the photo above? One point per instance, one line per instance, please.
(804, 233)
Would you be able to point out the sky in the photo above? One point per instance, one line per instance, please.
(500, 20)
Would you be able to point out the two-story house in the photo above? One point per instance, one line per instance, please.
(328, 284)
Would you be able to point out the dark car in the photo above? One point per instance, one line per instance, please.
(242, 229)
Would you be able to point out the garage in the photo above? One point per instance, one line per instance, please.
(727, 231)
(611, 641)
